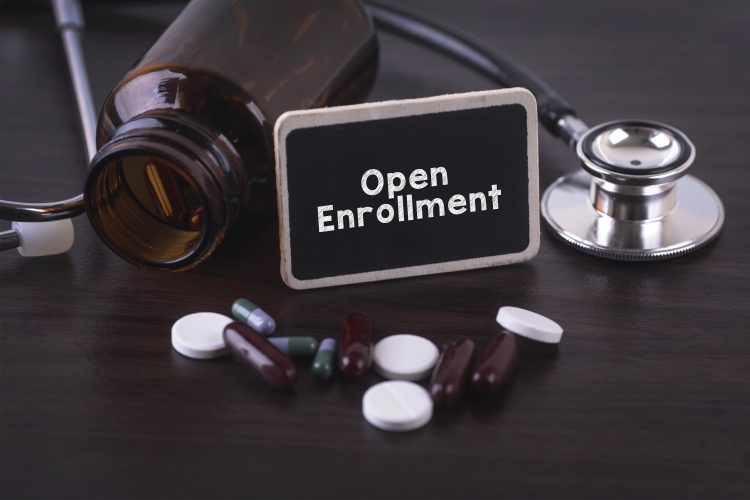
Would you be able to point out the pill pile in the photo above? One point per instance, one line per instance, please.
(398, 404)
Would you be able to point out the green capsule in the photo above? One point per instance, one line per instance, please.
(325, 359)
(295, 347)
(253, 316)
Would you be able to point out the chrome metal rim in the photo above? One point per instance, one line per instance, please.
(695, 221)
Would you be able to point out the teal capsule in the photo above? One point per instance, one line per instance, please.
(325, 359)
(253, 316)
(295, 347)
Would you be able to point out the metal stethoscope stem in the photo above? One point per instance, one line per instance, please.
(69, 20)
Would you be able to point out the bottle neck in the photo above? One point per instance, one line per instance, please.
(163, 191)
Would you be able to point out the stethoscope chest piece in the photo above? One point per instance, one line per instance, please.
(633, 199)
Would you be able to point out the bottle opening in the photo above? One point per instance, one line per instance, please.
(148, 209)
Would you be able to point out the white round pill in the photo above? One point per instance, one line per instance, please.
(397, 405)
(529, 324)
(200, 335)
(405, 357)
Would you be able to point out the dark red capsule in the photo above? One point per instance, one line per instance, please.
(355, 345)
(452, 371)
(261, 357)
(495, 366)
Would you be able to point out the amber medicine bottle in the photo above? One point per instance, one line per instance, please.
(185, 139)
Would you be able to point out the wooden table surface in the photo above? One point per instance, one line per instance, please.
(647, 396)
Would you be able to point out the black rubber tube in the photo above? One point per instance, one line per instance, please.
(458, 47)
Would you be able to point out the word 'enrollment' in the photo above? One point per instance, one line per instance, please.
(406, 208)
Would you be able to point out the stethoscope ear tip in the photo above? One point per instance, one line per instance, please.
(38, 239)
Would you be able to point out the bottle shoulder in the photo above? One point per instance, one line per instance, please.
(204, 96)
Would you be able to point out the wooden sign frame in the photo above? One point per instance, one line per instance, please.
(337, 117)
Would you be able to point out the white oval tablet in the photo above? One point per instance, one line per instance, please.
(405, 357)
(529, 324)
(200, 335)
(397, 405)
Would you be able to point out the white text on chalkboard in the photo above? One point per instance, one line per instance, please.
(406, 208)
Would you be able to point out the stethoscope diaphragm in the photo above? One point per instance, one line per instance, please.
(633, 199)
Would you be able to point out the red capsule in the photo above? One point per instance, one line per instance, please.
(452, 371)
(495, 366)
(261, 357)
(355, 345)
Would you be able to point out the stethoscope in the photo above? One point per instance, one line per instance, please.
(631, 201)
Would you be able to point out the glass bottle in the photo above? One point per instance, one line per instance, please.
(185, 139)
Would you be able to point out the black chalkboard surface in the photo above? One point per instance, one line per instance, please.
(405, 188)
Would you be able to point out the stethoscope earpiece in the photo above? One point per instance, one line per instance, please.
(633, 199)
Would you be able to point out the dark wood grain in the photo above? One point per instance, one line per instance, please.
(648, 395)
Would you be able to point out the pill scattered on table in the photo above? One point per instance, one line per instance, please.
(261, 358)
(451, 372)
(355, 345)
(253, 316)
(325, 358)
(405, 357)
(529, 324)
(494, 367)
(200, 335)
(397, 405)
(295, 347)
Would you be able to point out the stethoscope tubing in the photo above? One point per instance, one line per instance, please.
(459, 47)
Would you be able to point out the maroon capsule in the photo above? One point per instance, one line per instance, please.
(261, 357)
(452, 371)
(495, 366)
(355, 345)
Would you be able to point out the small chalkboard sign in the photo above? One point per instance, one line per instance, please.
(405, 188)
